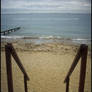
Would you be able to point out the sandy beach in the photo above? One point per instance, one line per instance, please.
(46, 35)
(47, 65)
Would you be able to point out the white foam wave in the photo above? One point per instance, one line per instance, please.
(13, 37)
(82, 41)
(46, 37)
(79, 39)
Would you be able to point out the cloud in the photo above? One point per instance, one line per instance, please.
(66, 6)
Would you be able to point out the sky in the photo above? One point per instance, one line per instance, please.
(45, 6)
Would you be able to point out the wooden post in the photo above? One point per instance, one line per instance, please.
(7, 31)
(4, 33)
(67, 84)
(13, 30)
(9, 69)
(25, 83)
(83, 68)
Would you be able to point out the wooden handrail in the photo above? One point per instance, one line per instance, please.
(75, 61)
(9, 50)
(82, 53)
(15, 56)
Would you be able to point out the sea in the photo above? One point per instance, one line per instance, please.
(44, 27)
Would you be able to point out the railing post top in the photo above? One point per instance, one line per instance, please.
(83, 47)
(8, 46)
(9, 43)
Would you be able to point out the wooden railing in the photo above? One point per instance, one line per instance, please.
(9, 50)
(82, 53)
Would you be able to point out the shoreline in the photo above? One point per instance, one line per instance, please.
(47, 45)
(44, 43)
(45, 39)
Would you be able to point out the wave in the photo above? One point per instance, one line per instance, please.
(58, 38)
(79, 39)
(30, 37)
(13, 37)
(47, 37)
(82, 41)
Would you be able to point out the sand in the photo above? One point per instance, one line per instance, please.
(47, 65)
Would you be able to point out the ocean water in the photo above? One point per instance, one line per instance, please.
(49, 25)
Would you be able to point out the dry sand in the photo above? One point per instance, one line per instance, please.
(47, 66)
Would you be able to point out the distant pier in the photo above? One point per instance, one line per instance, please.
(10, 30)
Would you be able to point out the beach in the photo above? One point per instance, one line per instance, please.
(47, 65)
(46, 35)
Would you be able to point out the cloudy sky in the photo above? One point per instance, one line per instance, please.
(46, 6)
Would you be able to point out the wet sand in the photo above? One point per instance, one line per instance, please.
(47, 66)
